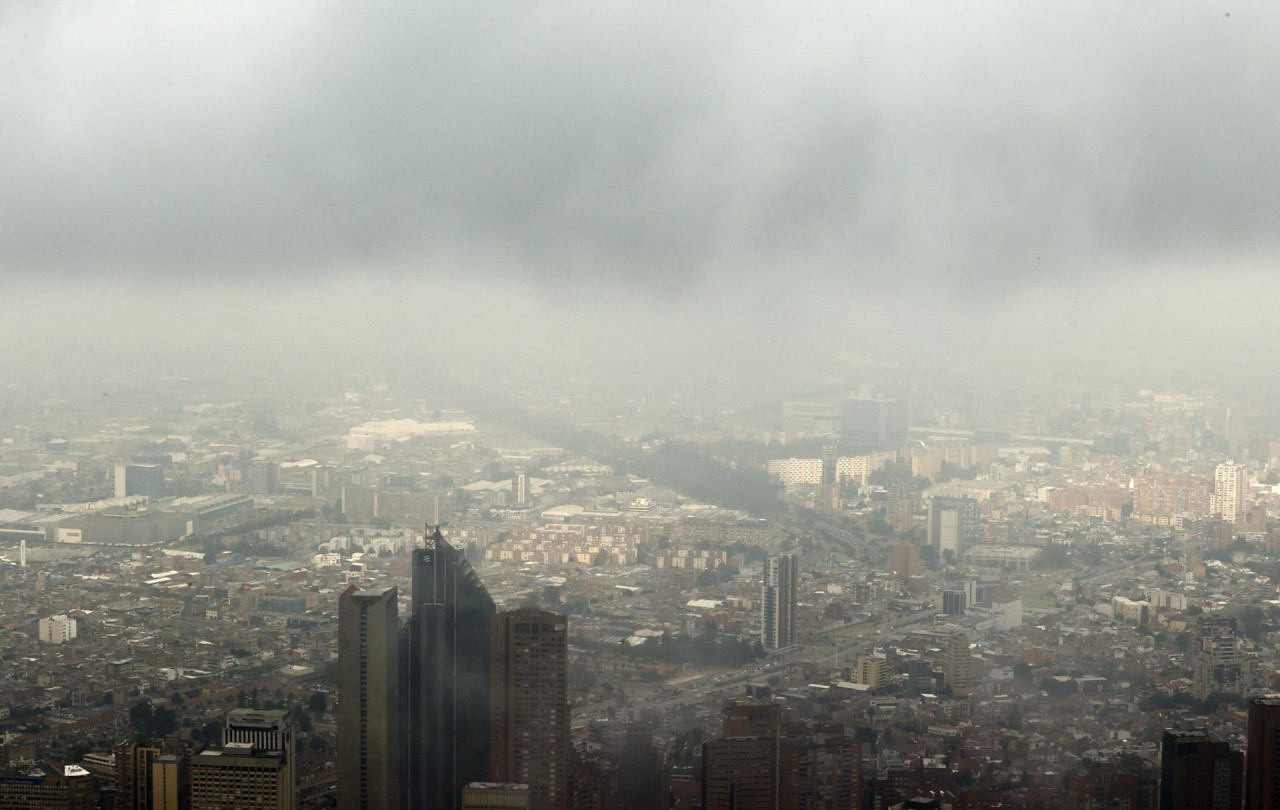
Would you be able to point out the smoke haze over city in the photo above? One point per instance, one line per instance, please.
(1000, 179)
(639, 405)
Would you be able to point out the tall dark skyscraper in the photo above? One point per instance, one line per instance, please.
(1262, 766)
(369, 714)
(530, 705)
(447, 677)
(1197, 773)
(639, 779)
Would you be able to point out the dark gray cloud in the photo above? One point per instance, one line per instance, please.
(886, 146)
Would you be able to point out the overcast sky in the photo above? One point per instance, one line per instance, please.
(994, 167)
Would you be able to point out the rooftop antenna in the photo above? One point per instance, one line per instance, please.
(433, 533)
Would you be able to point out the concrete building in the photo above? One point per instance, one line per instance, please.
(267, 730)
(57, 629)
(778, 602)
(954, 525)
(139, 479)
(170, 782)
(792, 472)
(962, 669)
(1129, 611)
(369, 709)
(239, 777)
(1218, 663)
(1170, 495)
(872, 671)
(134, 766)
(858, 469)
(1007, 558)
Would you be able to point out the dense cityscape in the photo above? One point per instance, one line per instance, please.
(490, 405)
(371, 598)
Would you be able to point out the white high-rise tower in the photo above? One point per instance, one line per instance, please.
(778, 602)
(1230, 487)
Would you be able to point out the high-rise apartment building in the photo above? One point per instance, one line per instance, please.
(778, 602)
(740, 767)
(791, 472)
(267, 730)
(1230, 492)
(520, 489)
(963, 669)
(1218, 662)
(858, 469)
(900, 506)
(240, 777)
(1169, 496)
(821, 769)
(529, 705)
(447, 677)
(1262, 755)
(1197, 773)
(369, 710)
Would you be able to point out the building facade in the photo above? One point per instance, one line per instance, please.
(239, 777)
(1197, 773)
(369, 709)
(778, 602)
(1230, 492)
(529, 705)
(1262, 755)
(267, 730)
(741, 766)
(1218, 662)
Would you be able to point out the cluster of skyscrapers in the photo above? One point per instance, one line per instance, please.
(455, 695)
(1197, 772)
